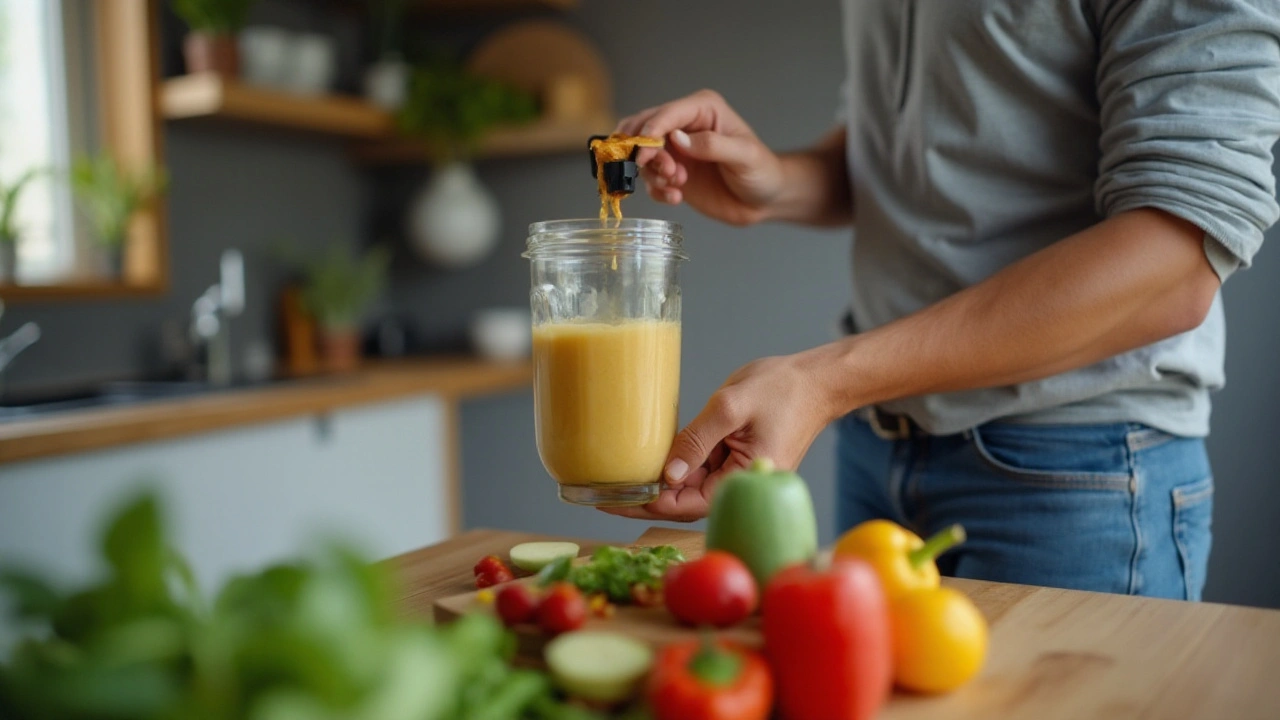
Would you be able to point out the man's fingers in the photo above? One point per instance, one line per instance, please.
(717, 147)
(702, 110)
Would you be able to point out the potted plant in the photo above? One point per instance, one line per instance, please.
(8, 231)
(210, 46)
(454, 221)
(110, 196)
(338, 286)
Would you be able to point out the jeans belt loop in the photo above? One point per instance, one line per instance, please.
(888, 426)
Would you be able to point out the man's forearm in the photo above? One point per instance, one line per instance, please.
(816, 188)
(1124, 283)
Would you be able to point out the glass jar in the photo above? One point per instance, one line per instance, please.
(605, 298)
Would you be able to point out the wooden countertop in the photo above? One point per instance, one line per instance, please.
(96, 428)
(1053, 654)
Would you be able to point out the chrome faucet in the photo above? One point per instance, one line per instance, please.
(21, 339)
(211, 318)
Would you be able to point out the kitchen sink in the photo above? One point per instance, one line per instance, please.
(123, 392)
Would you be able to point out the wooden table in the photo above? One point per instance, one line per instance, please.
(1054, 653)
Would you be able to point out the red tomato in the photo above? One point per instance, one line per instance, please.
(562, 609)
(491, 571)
(517, 604)
(716, 589)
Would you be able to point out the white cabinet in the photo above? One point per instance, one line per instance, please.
(375, 475)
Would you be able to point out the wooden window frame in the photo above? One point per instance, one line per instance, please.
(128, 80)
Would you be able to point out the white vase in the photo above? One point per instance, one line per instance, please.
(386, 83)
(454, 221)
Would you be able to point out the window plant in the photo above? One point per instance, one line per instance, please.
(9, 196)
(211, 44)
(110, 196)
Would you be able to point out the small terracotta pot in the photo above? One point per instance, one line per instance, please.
(341, 349)
(212, 52)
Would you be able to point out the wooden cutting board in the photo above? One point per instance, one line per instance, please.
(1054, 654)
(653, 625)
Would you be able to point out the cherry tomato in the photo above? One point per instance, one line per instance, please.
(562, 609)
(491, 571)
(516, 604)
(716, 589)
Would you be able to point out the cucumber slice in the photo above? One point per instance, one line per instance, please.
(533, 556)
(596, 665)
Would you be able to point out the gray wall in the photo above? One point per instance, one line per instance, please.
(748, 293)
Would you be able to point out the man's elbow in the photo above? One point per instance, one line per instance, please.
(1191, 301)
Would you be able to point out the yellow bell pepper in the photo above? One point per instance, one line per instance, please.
(939, 639)
(901, 559)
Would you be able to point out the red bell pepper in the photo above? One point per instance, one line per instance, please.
(827, 638)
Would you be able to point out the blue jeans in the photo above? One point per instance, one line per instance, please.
(1118, 508)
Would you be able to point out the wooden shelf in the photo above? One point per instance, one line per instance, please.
(541, 137)
(75, 290)
(212, 96)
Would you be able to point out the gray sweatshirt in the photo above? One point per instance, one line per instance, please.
(981, 131)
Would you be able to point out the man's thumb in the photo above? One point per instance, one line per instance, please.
(694, 444)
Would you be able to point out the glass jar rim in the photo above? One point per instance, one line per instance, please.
(589, 235)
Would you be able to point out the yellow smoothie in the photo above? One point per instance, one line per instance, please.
(605, 398)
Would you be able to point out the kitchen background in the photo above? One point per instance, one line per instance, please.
(748, 293)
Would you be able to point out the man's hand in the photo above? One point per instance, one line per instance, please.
(713, 160)
(771, 408)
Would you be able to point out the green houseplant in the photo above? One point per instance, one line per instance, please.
(338, 286)
(110, 196)
(454, 220)
(9, 195)
(211, 44)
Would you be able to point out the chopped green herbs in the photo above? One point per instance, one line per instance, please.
(613, 571)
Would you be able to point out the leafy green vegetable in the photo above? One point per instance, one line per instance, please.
(613, 571)
(318, 639)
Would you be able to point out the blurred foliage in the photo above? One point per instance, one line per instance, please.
(452, 109)
(9, 196)
(109, 195)
(214, 16)
(313, 640)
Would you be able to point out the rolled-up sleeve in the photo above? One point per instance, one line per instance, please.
(1189, 98)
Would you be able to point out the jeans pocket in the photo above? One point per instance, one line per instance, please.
(1092, 457)
(1192, 521)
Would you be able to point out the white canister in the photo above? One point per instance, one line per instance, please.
(313, 62)
(386, 83)
(265, 55)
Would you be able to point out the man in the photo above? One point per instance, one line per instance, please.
(1047, 195)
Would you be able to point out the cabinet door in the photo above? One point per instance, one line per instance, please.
(374, 475)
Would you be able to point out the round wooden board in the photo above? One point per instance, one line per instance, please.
(530, 54)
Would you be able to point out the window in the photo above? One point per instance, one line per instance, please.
(35, 99)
